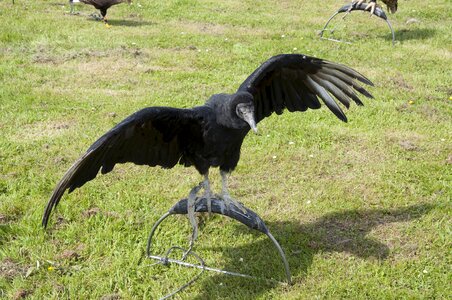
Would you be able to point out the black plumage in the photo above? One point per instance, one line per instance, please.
(101, 5)
(211, 135)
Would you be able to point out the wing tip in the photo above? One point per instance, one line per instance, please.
(57, 194)
(341, 116)
(366, 81)
(44, 221)
(48, 210)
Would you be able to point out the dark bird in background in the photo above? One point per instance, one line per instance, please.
(391, 4)
(211, 135)
(101, 5)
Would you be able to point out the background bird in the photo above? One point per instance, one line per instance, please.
(101, 5)
(211, 135)
(391, 4)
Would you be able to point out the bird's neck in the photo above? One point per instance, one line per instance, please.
(225, 111)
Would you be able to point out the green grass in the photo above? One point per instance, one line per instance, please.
(363, 209)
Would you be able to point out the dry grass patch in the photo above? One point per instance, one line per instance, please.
(43, 130)
(9, 269)
(217, 29)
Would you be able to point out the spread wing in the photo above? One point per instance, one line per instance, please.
(155, 136)
(296, 82)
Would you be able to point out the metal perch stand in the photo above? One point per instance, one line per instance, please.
(351, 7)
(250, 219)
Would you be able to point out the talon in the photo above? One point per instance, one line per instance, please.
(228, 201)
(371, 7)
(192, 197)
(208, 192)
(354, 5)
(372, 10)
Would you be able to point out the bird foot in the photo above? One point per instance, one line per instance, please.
(193, 198)
(208, 195)
(228, 201)
(354, 4)
(96, 17)
(371, 6)
(191, 204)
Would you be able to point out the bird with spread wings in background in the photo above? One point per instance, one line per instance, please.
(391, 4)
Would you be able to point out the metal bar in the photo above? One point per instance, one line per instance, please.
(148, 248)
(381, 15)
(328, 22)
(335, 40)
(283, 257)
(392, 31)
(186, 264)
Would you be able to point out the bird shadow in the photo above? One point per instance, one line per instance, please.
(344, 231)
(412, 34)
(126, 23)
(130, 23)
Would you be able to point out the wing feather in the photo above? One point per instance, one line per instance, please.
(290, 95)
(347, 80)
(334, 90)
(306, 96)
(297, 82)
(322, 93)
(155, 136)
(350, 72)
(342, 86)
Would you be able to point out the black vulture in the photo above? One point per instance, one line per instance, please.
(211, 135)
(391, 4)
(101, 5)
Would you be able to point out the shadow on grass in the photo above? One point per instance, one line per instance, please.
(130, 23)
(336, 232)
(126, 23)
(95, 17)
(6, 234)
(402, 35)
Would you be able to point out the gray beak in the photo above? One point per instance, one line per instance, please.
(249, 118)
(246, 113)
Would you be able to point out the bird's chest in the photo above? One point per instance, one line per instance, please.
(222, 143)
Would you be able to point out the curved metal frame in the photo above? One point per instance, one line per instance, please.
(348, 9)
(166, 260)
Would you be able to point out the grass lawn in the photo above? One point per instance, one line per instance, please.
(362, 209)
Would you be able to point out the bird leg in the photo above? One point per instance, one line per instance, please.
(191, 202)
(191, 206)
(207, 192)
(103, 13)
(228, 200)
